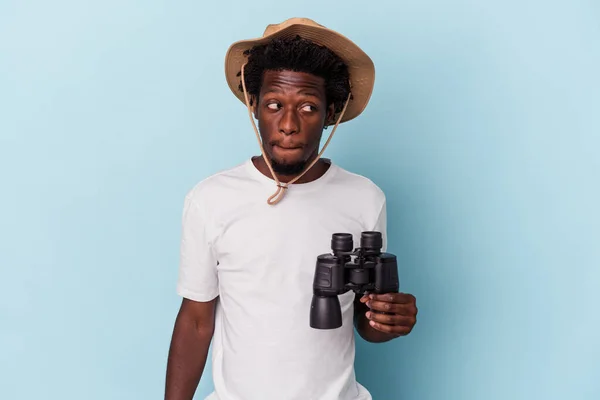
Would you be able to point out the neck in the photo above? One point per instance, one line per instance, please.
(317, 170)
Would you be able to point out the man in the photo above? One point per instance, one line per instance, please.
(251, 234)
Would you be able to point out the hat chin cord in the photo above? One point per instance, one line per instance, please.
(283, 186)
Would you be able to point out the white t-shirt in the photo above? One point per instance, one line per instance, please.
(260, 260)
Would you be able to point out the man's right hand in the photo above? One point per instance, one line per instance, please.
(188, 351)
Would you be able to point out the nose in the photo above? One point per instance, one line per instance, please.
(289, 124)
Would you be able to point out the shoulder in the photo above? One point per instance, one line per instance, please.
(360, 185)
(217, 185)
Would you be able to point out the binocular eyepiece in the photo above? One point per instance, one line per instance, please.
(344, 243)
(365, 269)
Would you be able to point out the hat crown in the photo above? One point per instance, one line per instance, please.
(274, 28)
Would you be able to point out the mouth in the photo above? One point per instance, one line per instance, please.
(286, 149)
(286, 146)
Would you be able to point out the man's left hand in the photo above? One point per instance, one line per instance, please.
(392, 313)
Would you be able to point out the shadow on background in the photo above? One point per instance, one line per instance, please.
(402, 368)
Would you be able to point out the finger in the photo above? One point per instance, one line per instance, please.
(400, 298)
(401, 309)
(392, 319)
(398, 330)
(365, 297)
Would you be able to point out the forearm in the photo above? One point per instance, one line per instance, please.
(366, 331)
(187, 358)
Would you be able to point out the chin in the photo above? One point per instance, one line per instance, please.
(288, 167)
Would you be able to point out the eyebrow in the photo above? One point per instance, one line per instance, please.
(309, 92)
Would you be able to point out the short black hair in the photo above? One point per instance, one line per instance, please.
(299, 55)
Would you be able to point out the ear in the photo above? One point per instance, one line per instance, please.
(330, 114)
(254, 106)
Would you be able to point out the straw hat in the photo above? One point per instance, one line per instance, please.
(360, 66)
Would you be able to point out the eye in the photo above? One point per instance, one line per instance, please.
(309, 108)
(273, 106)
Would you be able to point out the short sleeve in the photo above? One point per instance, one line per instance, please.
(381, 225)
(197, 278)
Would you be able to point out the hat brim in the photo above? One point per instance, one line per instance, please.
(360, 66)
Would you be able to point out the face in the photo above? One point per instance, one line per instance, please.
(291, 112)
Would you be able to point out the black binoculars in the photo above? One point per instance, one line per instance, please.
(365, 269)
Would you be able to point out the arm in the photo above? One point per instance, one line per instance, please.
(192, 334)
(382, 317)
(361, 322)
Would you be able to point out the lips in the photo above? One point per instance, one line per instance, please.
(286, 146)
(287, 151)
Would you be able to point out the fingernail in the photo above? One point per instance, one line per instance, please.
(368, 304)
(371, 296)
(369, 314)
(372, 323)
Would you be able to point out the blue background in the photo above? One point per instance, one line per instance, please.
(483, 130)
